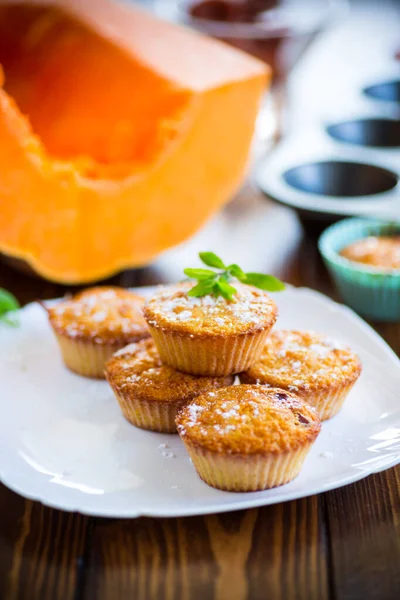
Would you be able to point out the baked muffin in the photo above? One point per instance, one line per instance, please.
(317, 368)
(210, 336)
(150, 393)
(94, 324)
(248, 437)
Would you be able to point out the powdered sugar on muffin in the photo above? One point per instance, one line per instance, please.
(300, 360)
(250, 309)
(101, 315)
(248, 419)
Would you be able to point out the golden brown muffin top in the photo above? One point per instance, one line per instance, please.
(381, 252)
(137, 371)
(172, 309)
(101, 315)
(301, 360)
(248, 419)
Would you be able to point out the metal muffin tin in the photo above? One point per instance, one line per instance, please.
(349, 166)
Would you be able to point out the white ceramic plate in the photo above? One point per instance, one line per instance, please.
(64, 442)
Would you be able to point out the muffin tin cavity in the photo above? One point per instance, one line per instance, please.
(340, 179)
(345, 165)
(388, 91)
(378, 133)
(340, 156)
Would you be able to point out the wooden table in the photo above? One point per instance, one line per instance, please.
(341, 545)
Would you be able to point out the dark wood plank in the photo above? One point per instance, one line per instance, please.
(289, 556)
(150, 558)
(41, 550)
(236, 555)
(14, 513)
(364, 537)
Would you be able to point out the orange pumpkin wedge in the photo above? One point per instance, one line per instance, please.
(120, 134)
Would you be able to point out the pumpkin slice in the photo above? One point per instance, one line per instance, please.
(120, 134)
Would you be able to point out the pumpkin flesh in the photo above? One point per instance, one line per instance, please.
(86, 99)
(109, 158)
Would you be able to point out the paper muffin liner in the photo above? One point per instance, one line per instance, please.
(209, 356)
(84, 357)
(327, 402)
(152, 415)
(373, 293)
(246, 473)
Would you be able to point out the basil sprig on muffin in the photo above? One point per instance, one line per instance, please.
(213, 328)
(217, 281)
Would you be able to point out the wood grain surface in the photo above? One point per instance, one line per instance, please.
(341, 545)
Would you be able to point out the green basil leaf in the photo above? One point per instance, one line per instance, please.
(199, 273)
(216, 291)
(268, 283)
(237, 272)
(8, 301)
(202, 289)
(225, 276)
(211, 260)
(226, 290)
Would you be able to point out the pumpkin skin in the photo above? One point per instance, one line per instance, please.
(121, 134)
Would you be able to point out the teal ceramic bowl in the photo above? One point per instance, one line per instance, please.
(372, 292)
